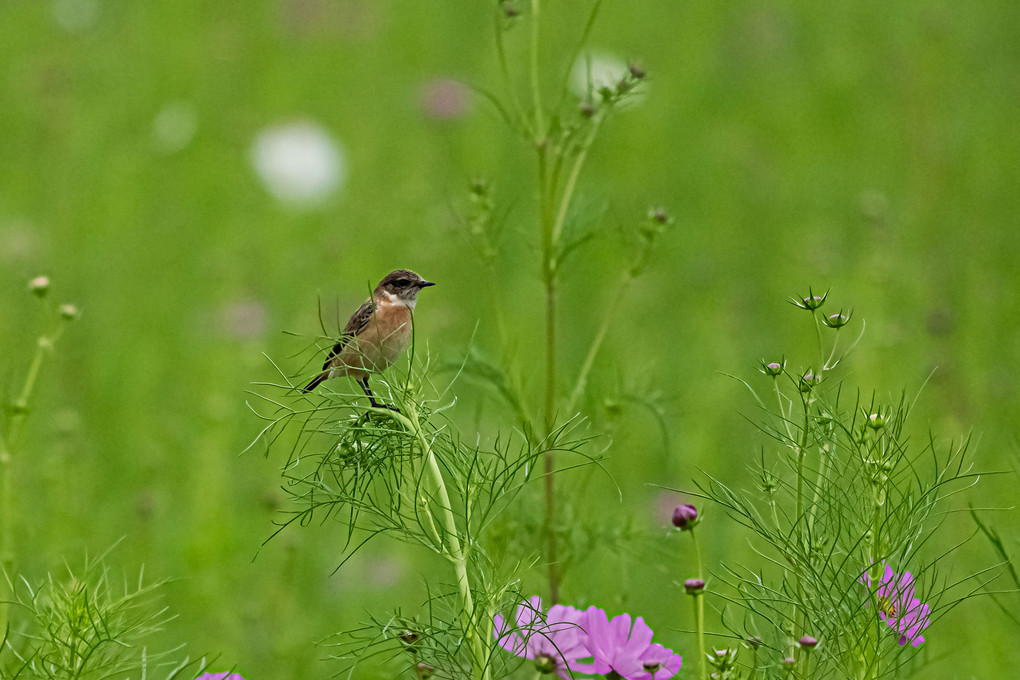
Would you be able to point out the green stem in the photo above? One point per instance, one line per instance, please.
(521, 119)
(454, 552)
(699, 611)
(536, 88)
(609, 313)
(783, 416)
(7, 527)
(546, 190)
(822, 470)
(803, 537)
(828, 365)
(575, 172)
(699, 622)
(818, 334)
(8, 444)
(548, 460)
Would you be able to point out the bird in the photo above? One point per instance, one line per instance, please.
(376, 334)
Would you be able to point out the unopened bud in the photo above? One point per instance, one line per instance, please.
(424, 671)
(808, 642)
(814, 302)
(685, 517)
(808, 381)
(876, 421)
(39, 286)
(773, 368)
(657, 221)
(837, 321)
(811, 302)
(479, 186)
(636, 72)
(694, 586)
(69, 312)
(659, 215)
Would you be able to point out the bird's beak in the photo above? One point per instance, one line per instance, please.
(426, 284)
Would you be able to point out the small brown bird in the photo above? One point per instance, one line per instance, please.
(376, 334)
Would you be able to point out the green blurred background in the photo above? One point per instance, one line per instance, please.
(864, 147)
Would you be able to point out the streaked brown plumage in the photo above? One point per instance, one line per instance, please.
(377, 334)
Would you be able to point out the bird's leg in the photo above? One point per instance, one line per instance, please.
(371, 397)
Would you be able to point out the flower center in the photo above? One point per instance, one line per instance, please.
(888, 606)
(545, 663)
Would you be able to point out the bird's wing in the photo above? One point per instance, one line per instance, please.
(355, 325)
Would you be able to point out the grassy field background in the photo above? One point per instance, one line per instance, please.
(867, 148)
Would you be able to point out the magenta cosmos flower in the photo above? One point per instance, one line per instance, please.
(554, 640)
(628, 651)
(898, 606)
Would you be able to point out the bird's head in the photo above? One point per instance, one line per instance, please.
(402, 286)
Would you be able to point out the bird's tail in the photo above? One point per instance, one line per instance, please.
(315, 383)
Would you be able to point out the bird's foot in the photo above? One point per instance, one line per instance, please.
(376, 404)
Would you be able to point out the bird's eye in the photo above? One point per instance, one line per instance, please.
(401, 283)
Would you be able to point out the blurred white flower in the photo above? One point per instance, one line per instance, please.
(75, 15)
(174, 127)
(595, 70)
(299, 163)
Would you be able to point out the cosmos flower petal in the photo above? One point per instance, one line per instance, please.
(555, 635)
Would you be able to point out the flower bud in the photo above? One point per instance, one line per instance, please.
(724, 661)
(636, 72)
(685, 517)
(694, 586)
(773, 368)
(39, 286)
(837, 321)
(811, 302)
(69, 312)
(424, 671)
(789, 662)
(808, 381)
(479, 186)
(808, 642)
(876, 421)
(656, 222)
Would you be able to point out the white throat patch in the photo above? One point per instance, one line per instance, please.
(389, 298)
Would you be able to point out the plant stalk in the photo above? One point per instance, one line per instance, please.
(8, 444)
(453, 548)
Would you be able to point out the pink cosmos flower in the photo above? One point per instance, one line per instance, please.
(555, 640)
(629, 652)
(898, 606)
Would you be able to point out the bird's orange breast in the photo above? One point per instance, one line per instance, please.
(385, 337)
